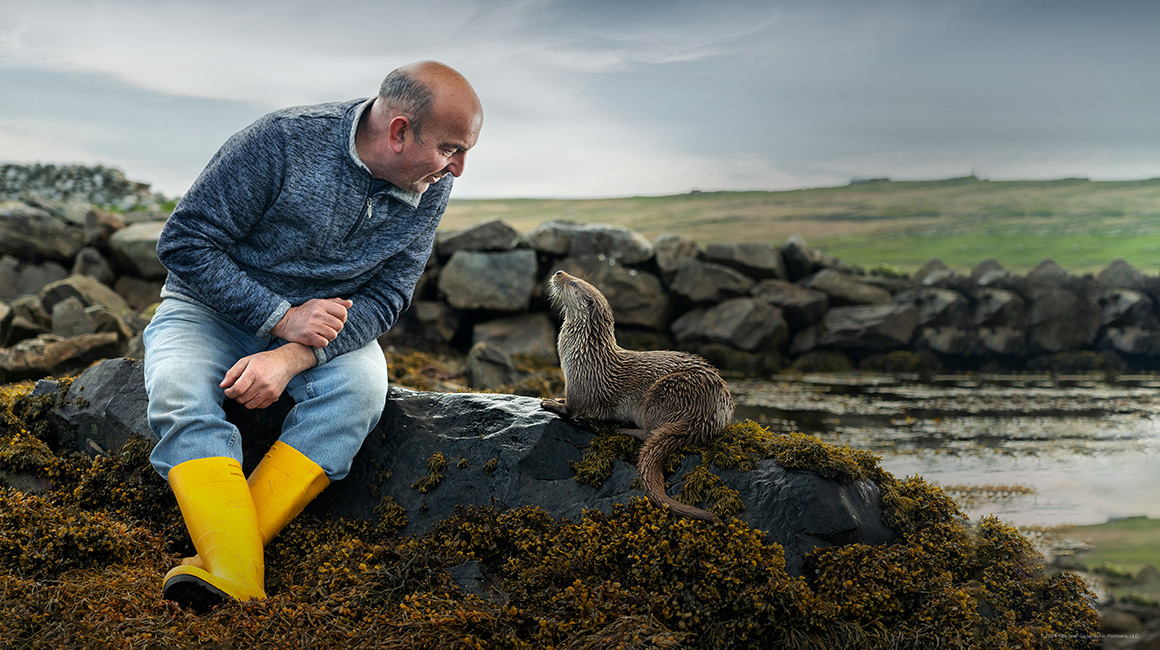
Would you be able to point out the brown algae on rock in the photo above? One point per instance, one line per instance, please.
(80, 564)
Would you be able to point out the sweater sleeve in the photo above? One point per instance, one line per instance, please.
(380, 302)
(234, 190)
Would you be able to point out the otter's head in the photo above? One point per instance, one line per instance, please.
(578, 299)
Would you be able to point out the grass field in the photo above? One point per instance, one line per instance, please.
(1125, 546)
(1082, 225)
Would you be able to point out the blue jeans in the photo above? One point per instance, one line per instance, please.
(189, 348)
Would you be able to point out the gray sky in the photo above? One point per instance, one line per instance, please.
(588, 98)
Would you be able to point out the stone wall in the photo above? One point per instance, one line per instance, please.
(77, 283)
(99, 185)
(757, 308)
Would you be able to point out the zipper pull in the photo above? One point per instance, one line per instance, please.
(370, 211)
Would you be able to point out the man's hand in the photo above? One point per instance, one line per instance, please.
(315, 322)
(257, 381)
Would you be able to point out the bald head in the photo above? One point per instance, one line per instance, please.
(420, 127)
(424, 89)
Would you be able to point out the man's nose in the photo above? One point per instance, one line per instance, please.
(457, 163)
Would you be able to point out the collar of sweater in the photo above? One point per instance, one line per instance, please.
(409, 198)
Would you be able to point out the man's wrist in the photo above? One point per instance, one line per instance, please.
(300, 356)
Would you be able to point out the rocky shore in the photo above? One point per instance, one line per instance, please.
(77, 282)
(79, 278)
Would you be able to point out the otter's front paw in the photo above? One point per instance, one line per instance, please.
(556, 406)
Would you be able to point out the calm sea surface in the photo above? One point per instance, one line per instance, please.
(1033, 450)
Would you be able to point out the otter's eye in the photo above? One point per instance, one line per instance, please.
(572, 283)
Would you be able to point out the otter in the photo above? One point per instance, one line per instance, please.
(673, 398)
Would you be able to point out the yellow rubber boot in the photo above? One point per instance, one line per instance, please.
(281, 486)
(219, 513)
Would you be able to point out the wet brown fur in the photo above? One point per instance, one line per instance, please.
(673, 398)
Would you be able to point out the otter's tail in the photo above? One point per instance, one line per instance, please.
(661, 442)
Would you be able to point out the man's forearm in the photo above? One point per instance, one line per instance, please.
(297, 356)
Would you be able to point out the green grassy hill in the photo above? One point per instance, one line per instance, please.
(1082, 225)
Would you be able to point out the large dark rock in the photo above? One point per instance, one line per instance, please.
(497, 450)
(1121, 275)
(801, 307)
(493, 235)
(754, 259)
(800, 259)
(495, 281)
(845, 289)
(48, 355)
(528, 335)
(1062, 318)
(741, 323)
(31, 233)
(568, 239)
(19, 278)
(636, 297)
(670, 250)
(868, 328)
(135, 248)
(705, 283)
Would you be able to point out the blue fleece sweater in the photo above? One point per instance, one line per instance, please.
(285, 212)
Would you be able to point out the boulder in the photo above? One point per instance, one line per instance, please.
(800, 259)
(1061, 319)
(28, 320)
(19, 278)
(90, 262)
(868, 328)
(1125, 307)
(34, 234)
(1048, 274)
(754, 259)
(940, 307)
(704, 283)
(671, 250)
(87, 290)
(1121, 275)
(137, 292)
(493, 235)
(931, 272)
(432, 452)
(48, 355)
(100, 226)
(636, 297)
(427, 320)
(1132, 340)
(946, 340)
(495, 281)
(801, 307)
(488, 367)
(134, 248)
(999, 308)
(564, 238)
(69, 318)
(1002, 340)
(741, 323)
(986, 267)
(530, 335)
(844, 289)
(6, 316)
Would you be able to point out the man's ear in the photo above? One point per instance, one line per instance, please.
(398, 131)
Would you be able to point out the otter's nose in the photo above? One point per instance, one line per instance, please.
(559, 274)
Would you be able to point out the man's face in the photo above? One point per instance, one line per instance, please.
(442, 149)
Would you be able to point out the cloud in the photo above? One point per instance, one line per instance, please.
(606, 97)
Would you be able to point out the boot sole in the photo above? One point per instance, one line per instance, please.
(194, 593)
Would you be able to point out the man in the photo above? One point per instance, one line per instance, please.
(298, 245)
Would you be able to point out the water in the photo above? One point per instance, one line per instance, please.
(1033, 450)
